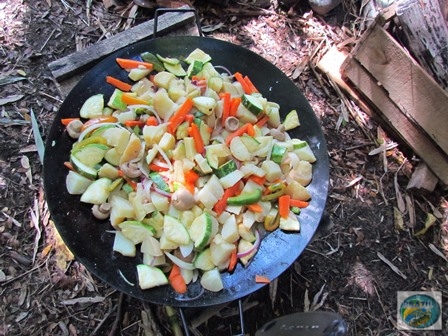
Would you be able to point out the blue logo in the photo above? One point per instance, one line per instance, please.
(420, 311)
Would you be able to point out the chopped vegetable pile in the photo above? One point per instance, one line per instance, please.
(190, 164)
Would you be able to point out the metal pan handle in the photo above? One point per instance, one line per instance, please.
(179, 10)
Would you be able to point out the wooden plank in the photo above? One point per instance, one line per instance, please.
(410, 133)
(77, 62)
(426, 32)
(413, 91)
(330, 64)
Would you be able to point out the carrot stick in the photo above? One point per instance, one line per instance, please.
(132, 183)
(191, 176)
(98, 120)
(66, 121)
(298, 203)
(233, 261)
(225, 107)
(249, 83)
(152, 121)
(179, 117)
(283, 206)
(221, 205)
(262, 121)
(176, 280)
(250, 130)
(255, 207)
(126, 63)
(193, 131)
(118, 83)
(133, 123)
(156, 168)
(240, 131)
(234, 106)
(189, 118)
(240, 79)
(258, 179)
(262, 279)
(131, 100)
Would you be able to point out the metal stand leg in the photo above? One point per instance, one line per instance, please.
(184, 322)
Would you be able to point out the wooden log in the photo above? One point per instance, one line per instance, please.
(425, 26)
(75, 63)
(407, 84)
(409, 132)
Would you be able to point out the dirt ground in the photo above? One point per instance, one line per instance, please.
(372, 220)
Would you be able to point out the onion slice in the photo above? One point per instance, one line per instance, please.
(254, 248)
(125, 279)
(179, 262)
(186, 250)
(93, 127)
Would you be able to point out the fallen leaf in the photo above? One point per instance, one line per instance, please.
(82, 300)
(11, 99)
(430, 221)
(398, 219)
(26, 165)
(10, 80)
(306, 301)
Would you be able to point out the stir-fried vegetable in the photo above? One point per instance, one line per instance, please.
(190, 166)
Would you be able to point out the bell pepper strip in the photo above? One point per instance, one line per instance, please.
(245, 198)
(179, 117)
(233, 260)
(261, 279)
(221, 205)
(156, 168)
(98, 120)
(246, 128)
(194, 132)
(134, 123)
(86, 141)
(298, 203)
(255, 207)
(131, 100)
(176, 280)
(152, 121)
(249, 83)
(239, 77)
(271, 223)
(274, 191)
(66, 121)
(225, 107)
(283, 206)
(234, 104)
(118, 83)
(262, 121)
(127, 63)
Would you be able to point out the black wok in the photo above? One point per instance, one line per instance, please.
(88, 238)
